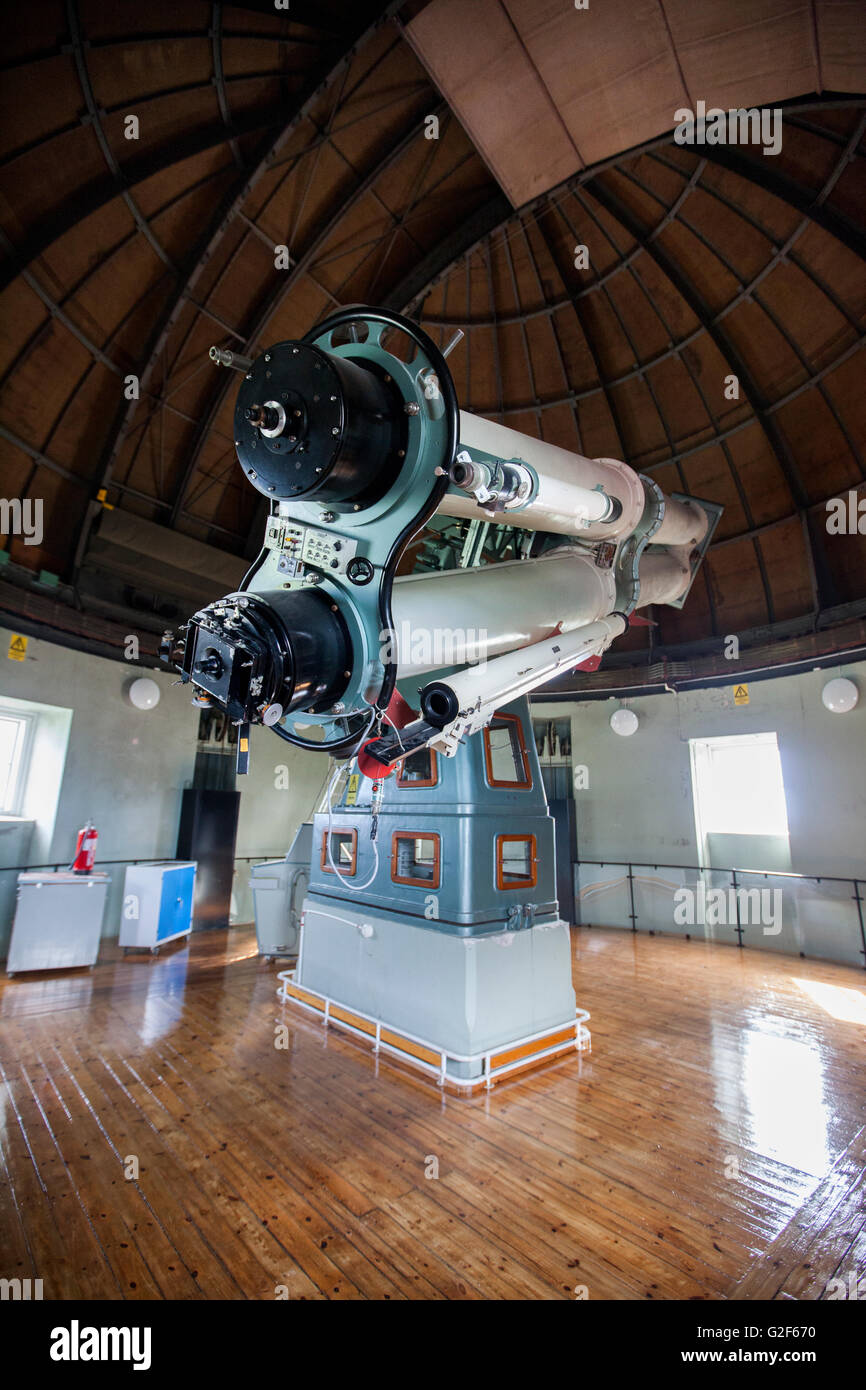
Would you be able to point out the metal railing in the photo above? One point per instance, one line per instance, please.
(815, 915)
(57, 866)
(483, 1067)
(821, 916)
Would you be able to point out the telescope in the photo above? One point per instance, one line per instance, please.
(354, 435)
(417, 683)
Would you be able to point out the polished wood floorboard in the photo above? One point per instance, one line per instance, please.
(712, 1144)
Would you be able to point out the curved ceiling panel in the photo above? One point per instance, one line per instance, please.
(546, 88)
(697, 275)
(127, 258)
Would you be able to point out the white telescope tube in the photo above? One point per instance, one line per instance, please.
(684, 523)
(469, 698)
(664, 575)
(455, 616)
(572, 490)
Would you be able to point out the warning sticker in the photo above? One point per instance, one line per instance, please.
(741, 694)
(17, 647)
(352, 793)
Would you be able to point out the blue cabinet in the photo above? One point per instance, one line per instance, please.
(175, 907)
(157, 904)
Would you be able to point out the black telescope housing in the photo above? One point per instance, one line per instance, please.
(248, 653)
(328, 426)
(309, 423)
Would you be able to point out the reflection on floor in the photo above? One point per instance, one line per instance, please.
(154, 1142)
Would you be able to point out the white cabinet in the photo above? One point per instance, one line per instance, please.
(157, 904)
(58, 921)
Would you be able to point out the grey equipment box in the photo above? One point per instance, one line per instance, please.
(279, 889)
(58, 921)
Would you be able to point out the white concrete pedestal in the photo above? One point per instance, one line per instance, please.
(464, 995)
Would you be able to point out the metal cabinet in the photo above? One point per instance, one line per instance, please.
(279, 890)
(58, 921)
(157, 904)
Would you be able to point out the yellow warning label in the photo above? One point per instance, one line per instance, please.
(17, 647)
(741, 694)
(245, 745)
(352, 793)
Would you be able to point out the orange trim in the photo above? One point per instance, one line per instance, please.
(530, 1054)
(431, 781)
(340, 830)
(518, 880)
(514, 1054)
(413, 835)
(344, 1016)
(521, 785)
(301, 994)
(413, 1049)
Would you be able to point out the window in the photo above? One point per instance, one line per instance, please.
(505, 753)
(415, 859)
(344, 851)
(738, 785)
(418, 769)
(15, 730)
(516, 861)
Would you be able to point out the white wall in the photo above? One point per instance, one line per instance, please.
(639, 807)
(280, 791)
(126, 769)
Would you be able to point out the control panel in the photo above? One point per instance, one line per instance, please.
(303, 548)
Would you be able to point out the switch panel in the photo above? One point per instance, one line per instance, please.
(310, 546)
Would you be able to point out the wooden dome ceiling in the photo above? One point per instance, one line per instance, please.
(306, 128)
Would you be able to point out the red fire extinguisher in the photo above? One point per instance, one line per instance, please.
(85, 849)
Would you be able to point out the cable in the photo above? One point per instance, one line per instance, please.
(349, 743)
(260, 558)
(332, 718)
(354, 887)
(396, 731)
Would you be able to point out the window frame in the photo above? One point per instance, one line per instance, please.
(340, 830)
(702, 752)
(430, 883)
(522, 786)
(432, 781)
(528, 882)
(28, 722)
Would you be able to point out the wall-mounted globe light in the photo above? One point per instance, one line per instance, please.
(840, 695)
(624, 722)
(144, 693)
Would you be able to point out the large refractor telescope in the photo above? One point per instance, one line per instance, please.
(354, 436)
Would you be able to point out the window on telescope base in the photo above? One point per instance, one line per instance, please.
(344, 851)
(516, 861)
(418, 770)
(415, 859)
(505, 753)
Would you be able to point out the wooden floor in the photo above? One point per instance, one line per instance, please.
(711, 1146)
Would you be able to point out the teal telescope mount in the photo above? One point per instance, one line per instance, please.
(431, 915)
